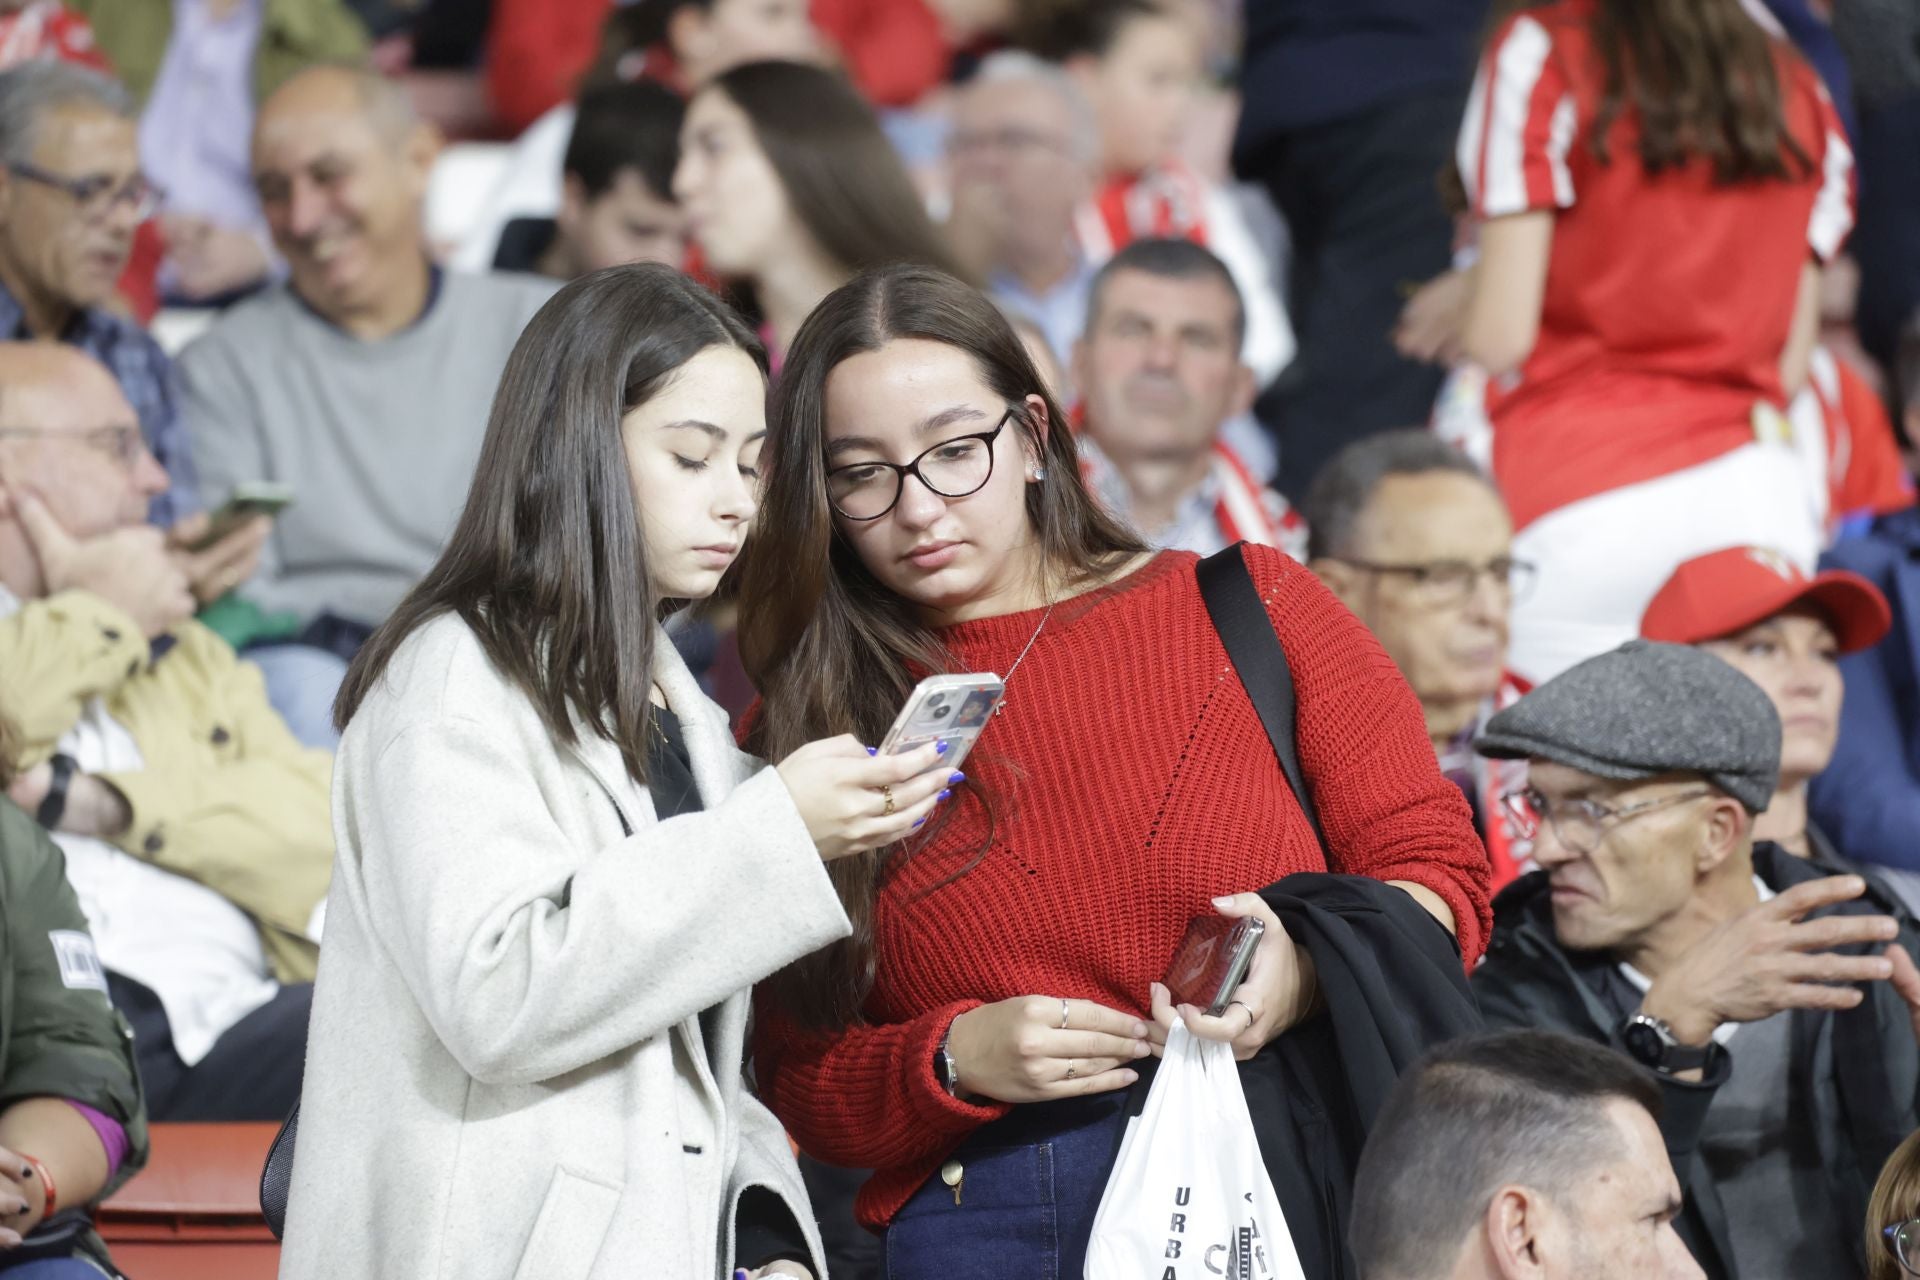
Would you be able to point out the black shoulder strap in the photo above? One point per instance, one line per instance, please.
(1238, 614)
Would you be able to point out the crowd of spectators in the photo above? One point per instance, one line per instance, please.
(1550, 369)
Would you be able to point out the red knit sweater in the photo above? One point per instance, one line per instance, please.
(1134, 783)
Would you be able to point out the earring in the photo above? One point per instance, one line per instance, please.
(1038, 473)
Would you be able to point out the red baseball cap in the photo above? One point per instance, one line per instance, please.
(1726, 591)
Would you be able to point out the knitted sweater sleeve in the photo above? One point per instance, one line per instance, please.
(863, 1096)
(1387, 809)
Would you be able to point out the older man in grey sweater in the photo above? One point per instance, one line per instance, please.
(363, 382)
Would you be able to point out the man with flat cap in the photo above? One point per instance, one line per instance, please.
(1778, 1005)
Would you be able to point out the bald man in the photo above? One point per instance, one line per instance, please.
(196, 829)
(363, 382)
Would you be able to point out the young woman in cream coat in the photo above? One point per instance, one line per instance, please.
(557, 879)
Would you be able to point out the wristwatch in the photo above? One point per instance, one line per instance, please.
(1651, 1042)
(54, 806)
(945, 1069)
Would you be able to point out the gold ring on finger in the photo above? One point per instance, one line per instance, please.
(887, 794)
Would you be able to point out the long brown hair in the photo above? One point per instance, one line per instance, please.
(843, 179)
(548, 565)
(829, 646)
(1702, 80)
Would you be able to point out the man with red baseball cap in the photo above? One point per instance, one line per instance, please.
(1785, 630)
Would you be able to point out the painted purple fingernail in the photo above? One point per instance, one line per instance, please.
(956, 779)
(946, 795)
(919, 821)
(942, 748)
(872, 751)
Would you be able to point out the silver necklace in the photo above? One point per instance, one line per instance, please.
(1006, 683)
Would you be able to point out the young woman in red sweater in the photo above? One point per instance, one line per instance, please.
(1002, 977)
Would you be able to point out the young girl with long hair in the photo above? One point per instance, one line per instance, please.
(790, 188)
(557, 877)
(1000, 981)
(1656, 186)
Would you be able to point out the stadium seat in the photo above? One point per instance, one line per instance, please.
(194, 1212)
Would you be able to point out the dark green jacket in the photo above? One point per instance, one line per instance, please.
(1861, 1067)
(59, 1036)
(294, 34)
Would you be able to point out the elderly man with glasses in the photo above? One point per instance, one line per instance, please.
(196, 830)
(1776, 1004)
(1412, 537)
(71, 197)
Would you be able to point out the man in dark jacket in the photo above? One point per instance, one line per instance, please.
(1763, 993)
(1349, 117)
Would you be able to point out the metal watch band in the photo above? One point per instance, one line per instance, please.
(944, 1066)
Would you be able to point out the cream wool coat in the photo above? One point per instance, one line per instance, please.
(527, 1037)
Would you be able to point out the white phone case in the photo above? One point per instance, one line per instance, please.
(953, 709)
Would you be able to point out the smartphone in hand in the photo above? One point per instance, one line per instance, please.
(1212, 960)
(953, 709)
(255, 498)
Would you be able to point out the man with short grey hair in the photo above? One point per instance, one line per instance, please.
(1775, 1004)
(71, 196)
(1415, 540)
(1023, 155)
(363, 382)
(1515, 1155)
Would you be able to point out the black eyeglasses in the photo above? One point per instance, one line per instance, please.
(1447, 582)
(953, 469)
(98, 195)
(1903, 1242)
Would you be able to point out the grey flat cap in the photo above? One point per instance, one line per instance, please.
(1646, 709)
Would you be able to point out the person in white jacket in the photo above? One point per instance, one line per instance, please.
(557, 878)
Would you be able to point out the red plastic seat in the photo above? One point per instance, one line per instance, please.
(194, 1212)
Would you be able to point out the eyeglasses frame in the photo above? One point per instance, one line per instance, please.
(1605, 817)
(901, 472)
(83, 192)
(1891, 1236)
(128, 440)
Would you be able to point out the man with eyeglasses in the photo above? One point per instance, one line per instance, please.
(1776, 1004)
(71, 197)
(1022, 156)
(1161, 376)
(196, 830)
(1412, 537)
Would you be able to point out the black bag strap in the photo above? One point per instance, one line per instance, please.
(1254, 648)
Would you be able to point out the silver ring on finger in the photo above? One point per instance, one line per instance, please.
(1063, 1013)
(886, 793)
(1071, 1069)
(1248, 1011)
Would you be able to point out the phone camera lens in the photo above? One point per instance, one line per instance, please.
(941, 713)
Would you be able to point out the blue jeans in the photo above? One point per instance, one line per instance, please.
(52, 1269)
(301, 683)
(1032, 1184)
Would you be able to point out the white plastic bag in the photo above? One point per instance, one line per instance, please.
(1189, 1198)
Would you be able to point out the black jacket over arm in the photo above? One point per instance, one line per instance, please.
(1393, 987)
(1860, 1067)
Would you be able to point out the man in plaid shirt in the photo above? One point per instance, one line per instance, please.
(71, 197)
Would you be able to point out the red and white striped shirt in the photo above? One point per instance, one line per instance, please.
(1668, 297)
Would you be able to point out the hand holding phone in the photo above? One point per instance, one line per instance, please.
(1276, 988)
(255, 498)
(1212, 960)
(953, 709)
